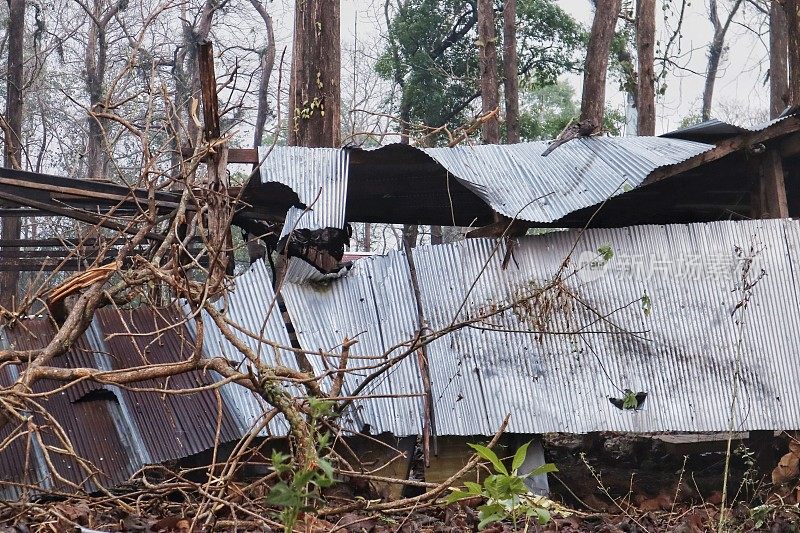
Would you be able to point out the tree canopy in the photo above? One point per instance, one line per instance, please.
(431, 54)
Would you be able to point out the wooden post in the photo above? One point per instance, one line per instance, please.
(220, 213)
(772, 190)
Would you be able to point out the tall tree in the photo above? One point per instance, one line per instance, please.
(487, 62)
(510, 76)
(431, 54)
(266, 62)
(715, 51)
(315, 92)
(778, 59)
(95, 63)
(12, 130)
(596, 66)
(792, 8)
(645, 47)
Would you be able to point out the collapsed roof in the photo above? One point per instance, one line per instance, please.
(664, 316)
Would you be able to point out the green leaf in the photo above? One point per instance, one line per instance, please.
(647, 305)
(473, 488)
(457, 495)
(546, 468)
(629, 401)
(488, 455)
(519, 457)
(606, 252)
(543, 515)
(489, 513)
(282, 494)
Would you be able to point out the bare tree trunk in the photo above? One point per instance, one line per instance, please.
(410, 233)
(95, 64)
(778, 60)
(12, 129)
(267, 62)
(436, 235)
(715, 50)
(510, 76)
(596, 66)
(645, 46)
(793, 24)
(487, 61)
(315, 92)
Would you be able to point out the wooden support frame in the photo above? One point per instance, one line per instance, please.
(772, 188)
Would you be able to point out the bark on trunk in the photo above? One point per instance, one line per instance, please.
(778, 60)
(315, 93)
(267, 62)
(12, 130)
(645, 45)
(715, 50)
(510, 76)
(487, 61)
(596, 66)
(793, 25)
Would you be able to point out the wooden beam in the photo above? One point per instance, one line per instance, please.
(243, 155)
(772, 190)
(726, 147)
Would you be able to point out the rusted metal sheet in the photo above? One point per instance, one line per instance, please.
(117, 430)
(171, 425)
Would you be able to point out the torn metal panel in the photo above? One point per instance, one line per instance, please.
(311, 254)
(316, 176)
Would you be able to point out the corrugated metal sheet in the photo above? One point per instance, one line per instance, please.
(171, 425)
(374, 304)
(514, 180)
(549, 377)
(317, 175)
(718, 129)
(251, 306)
(90, 418)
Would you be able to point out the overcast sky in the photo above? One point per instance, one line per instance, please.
(740, 93)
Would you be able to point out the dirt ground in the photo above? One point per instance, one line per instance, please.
(606, 483)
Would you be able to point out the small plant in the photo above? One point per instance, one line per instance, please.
(505, 492)
(304, 486)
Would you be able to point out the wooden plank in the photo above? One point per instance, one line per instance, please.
(243, 155)
(726, 147)
(772, 189)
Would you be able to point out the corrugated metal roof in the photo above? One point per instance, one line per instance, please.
(714, 129)
(317, 175)
(683, 353)
(117, 430)
(171, 425)
(251, 306)
(514, 180)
